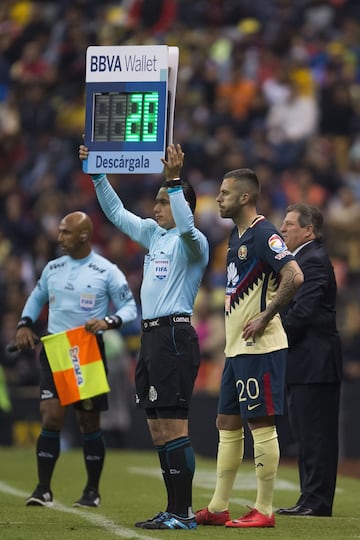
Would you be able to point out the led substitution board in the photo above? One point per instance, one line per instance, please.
(130, 102)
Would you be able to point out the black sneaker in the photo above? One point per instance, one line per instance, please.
(89, 498)
(40, 497)
(159, 517)
(171, 521)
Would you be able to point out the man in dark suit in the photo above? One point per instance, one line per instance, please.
(314, 365)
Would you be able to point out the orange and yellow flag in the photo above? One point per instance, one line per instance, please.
(76, 365)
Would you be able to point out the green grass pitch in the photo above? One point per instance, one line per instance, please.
(132, 489)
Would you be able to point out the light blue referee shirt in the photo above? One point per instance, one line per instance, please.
(176, 258)
(78, 290)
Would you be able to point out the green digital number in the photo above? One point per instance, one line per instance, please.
(128, 117)
(134, 118)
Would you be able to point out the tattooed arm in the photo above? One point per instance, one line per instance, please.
(291, 279)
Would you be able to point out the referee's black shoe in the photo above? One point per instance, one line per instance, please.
(40, 497)
(90, 498)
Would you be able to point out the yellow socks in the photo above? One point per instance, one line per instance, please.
(230, 455)
(266, 456)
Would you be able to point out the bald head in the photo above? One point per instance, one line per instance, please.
(81, 223)
(75, 234)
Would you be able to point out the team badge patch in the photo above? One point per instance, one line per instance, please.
(276, 243)
(242, 253)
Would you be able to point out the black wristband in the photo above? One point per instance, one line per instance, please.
(173, 183)
(113, 321)
(24, 321)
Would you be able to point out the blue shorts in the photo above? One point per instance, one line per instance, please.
(252, 385)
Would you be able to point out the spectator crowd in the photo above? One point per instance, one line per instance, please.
(273, 85)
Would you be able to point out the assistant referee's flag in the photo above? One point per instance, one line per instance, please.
(76, 365)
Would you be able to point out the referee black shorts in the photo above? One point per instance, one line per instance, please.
(167, 367)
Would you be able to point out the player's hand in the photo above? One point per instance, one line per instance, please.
(83, 152)
(254, 329)
(174, 162)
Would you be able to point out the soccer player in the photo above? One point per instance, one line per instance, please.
(79, 288)
(262, 277)
(177, 255)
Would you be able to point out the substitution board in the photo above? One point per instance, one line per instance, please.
(130, 104)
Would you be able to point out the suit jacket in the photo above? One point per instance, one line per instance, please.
(314, 354)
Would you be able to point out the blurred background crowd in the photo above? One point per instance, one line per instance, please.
(269, 84)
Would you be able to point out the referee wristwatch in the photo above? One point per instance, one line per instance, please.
(174, 182)
(24, 321)
(113, 321)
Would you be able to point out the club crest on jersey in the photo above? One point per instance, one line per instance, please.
(276, 243)
(242, 253)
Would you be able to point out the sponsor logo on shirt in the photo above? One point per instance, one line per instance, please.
(280, 256)
(93, 266)
(276, 243)
(232, 275)
(54, 266)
